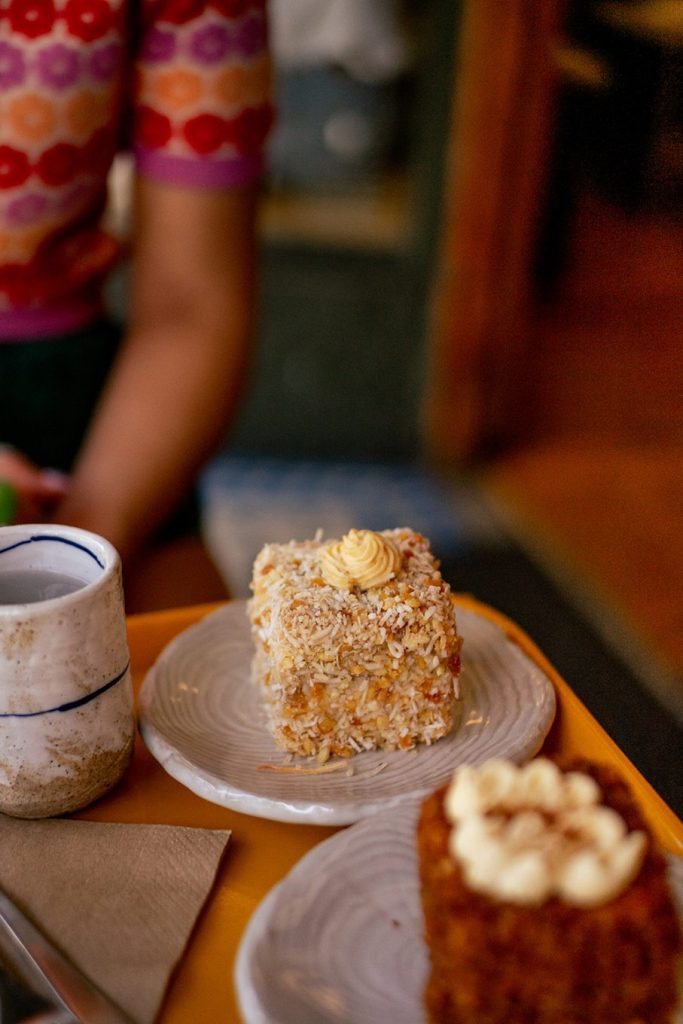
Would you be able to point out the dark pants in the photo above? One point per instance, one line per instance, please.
(49, 390)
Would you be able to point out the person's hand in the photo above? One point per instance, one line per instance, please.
(29, 492)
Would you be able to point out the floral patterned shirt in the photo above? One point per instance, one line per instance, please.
(190, 80)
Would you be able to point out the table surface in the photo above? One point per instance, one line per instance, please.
(261, 852)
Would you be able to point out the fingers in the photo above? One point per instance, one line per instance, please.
(52, 484)
(31, 490)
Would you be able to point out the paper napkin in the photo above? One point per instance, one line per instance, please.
(120, 900)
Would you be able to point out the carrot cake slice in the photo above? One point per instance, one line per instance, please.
(545, 900)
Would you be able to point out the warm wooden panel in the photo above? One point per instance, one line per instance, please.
(599, 480)
(609, 518)
(503, 96)
(608, 347)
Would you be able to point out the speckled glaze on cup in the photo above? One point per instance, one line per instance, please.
(66, 699)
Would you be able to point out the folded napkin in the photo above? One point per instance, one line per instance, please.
(119, 900)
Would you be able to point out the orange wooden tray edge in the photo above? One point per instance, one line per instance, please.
(261, 852)
(575, 731)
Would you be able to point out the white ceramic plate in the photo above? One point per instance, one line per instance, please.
(339, 940)
(201, 717)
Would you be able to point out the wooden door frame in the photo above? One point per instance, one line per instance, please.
(498, 155)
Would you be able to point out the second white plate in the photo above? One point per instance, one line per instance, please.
(339, 940)
(202, 719)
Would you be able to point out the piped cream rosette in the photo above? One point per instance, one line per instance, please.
(527, 834)
(362, 558)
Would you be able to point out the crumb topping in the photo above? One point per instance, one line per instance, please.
(334, 658)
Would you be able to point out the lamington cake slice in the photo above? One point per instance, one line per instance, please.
(356, 646)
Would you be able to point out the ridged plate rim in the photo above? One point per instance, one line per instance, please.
(201, 718)
(339, 939)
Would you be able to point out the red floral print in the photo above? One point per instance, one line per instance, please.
(58, 164)
(31, 18)
(13, 282)
(153, 129)
(232, 8)
(98, 151)
(61, 64)
(24, 284)
(248, 130)
(205, 132)
(88, 19)
(84, 254)
(178, 12)
(14, 167)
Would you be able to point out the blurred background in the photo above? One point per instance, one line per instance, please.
(471, 323)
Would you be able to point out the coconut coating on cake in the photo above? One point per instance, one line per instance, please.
(346, 669)
(498, 962)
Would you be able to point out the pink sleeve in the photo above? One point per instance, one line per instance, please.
(202, 99)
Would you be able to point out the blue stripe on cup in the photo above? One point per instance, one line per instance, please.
(38, 537)
(72, 704)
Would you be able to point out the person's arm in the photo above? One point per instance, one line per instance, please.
(175, 385)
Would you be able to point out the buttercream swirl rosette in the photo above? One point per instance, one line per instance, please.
(362, 558)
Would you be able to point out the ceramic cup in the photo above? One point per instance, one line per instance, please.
(66, 699)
